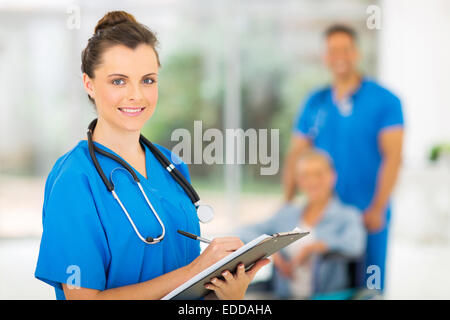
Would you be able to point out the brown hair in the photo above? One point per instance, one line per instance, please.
(341, 28)
(115, 28)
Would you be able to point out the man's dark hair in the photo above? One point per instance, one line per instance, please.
(340, 28)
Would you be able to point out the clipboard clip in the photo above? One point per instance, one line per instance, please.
(289, 233)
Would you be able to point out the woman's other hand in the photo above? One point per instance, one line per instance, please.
(234, 286)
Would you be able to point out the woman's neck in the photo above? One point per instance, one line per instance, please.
(124, 143)
(315, 209)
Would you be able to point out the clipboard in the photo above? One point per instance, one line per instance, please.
(259, 248)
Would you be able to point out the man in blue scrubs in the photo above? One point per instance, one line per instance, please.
(360, 124)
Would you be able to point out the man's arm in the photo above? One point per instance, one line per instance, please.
(298, 145)
(390, 142)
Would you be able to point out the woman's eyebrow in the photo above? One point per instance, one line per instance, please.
(117, 74)
(124, 76)
(149, 74)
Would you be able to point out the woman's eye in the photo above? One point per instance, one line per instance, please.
(149, 81)
(118, 82)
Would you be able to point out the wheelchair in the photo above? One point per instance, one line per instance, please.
(353, 289)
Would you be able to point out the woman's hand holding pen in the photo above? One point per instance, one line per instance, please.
(215, 251)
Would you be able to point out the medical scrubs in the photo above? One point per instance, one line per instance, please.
(87, 239)
(349, 133)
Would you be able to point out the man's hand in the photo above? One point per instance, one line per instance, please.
(374, 219)
(390, 144)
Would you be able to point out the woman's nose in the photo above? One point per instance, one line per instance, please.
(134, 92)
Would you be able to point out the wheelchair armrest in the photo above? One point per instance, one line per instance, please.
(338, 255)
(354, 265)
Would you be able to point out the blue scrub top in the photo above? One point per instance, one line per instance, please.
(86, 235)
(350, 137)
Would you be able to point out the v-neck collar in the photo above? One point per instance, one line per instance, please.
(146, 150)
(351, 94)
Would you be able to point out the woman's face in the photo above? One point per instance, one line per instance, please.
(315, 178)
(125, 87)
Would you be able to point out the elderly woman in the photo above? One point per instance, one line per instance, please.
(334, 228)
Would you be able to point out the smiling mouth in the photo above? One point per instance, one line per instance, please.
(131, 111)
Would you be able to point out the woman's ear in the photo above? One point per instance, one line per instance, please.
(88, 85)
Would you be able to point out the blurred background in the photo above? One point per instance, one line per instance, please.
(232, 64)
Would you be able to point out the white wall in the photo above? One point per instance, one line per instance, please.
(414, 44)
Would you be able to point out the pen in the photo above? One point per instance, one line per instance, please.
(193, 236)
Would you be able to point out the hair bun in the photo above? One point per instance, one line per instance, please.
(113, 18)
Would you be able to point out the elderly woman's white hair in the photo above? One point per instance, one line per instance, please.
(316, 154)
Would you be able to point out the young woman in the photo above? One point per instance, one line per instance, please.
(94, 247)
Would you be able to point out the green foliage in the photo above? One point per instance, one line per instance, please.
(181, 99)
(274, 84)
(438, 150)
(185, 95)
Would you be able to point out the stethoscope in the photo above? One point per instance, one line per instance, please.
(205, 212)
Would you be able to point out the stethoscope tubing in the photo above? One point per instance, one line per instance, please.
(174, 172)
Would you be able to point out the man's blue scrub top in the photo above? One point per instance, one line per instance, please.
(351, 139)
(88, 238)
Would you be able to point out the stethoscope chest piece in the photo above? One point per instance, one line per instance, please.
(205, 213)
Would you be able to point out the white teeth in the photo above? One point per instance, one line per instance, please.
(131, 110)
